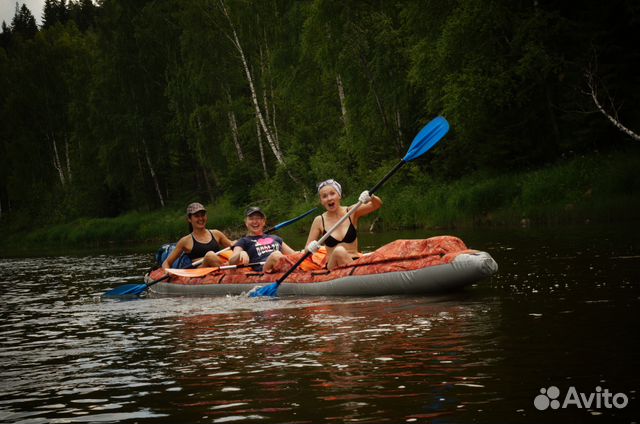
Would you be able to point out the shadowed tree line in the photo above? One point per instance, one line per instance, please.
(125, 105)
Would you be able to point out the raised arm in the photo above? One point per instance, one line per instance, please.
(367, 208)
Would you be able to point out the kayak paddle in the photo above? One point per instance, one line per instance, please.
(422, 143)
(201, 272)
(289, 222)
(137, 289)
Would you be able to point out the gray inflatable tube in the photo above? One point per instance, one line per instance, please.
(464, 270)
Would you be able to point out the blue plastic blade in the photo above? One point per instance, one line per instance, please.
(127, 290)
(267, 291)
(427, 138)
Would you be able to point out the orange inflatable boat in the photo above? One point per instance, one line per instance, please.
(426, 266)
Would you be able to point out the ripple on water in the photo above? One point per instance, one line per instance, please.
(65, 357)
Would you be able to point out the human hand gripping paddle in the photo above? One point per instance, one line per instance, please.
(137, 289)
(422, 143)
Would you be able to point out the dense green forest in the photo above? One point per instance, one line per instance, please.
(117, 106)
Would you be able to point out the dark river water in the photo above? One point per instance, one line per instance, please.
(556, 328)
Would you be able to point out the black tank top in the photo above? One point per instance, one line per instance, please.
(350, 236)
(200, 249)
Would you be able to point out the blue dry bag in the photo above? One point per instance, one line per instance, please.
(165, 250)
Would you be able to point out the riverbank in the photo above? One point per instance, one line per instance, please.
(595, 188)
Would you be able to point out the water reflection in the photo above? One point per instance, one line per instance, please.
(554, 315)
(351, 360)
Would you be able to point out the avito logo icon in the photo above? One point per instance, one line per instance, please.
(547, 398)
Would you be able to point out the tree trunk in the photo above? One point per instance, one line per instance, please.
(273, 122)
(266, 82)
(399, 130)
(207, 184)
(369, 76)
(153, 172)
(613, 119)
(66, 150)
(234, 134)
(262, 158)
(56, 159)
(343, 103)
(234, 127)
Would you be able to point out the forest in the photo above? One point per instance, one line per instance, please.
(138, 106)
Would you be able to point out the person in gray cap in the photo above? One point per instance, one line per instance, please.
(201, 242)
(257, 246)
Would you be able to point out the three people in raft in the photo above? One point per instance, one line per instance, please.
(257, 247)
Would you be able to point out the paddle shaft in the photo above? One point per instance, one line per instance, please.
(289, 222)
(386, 177)
(165, 277)
(219, 268)
(199, 261)
(346, 216)
(223, 267)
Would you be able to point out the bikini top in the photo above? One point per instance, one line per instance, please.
(350, 236)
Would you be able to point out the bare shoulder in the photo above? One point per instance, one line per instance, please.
(316, 222)
(184, 240)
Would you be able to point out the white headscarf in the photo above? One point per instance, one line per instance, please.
(333, 183)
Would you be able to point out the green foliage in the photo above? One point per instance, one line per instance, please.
(135, 105)
(594, 188)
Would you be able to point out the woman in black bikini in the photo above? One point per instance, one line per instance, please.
(342, 244)
(201, 243)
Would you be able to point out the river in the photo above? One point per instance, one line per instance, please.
(556, 328)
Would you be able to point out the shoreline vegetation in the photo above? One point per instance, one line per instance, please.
(116, 114)
(588, 189)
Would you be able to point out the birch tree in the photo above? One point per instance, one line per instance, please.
(233, 125)
(612, 117)
(266, 130)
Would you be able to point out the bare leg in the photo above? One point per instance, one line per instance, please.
(211, 260)
(272, 260)
(339, 257)
(239, 258)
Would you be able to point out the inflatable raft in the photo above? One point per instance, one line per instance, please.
(427, 266)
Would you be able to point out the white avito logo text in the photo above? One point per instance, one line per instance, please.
(601, 398)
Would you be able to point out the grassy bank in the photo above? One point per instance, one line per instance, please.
(596, 188)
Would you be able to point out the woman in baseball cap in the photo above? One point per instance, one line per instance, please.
(201, 242)
(257, 246)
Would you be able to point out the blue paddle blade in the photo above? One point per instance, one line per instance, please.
(291, 221)
(127, 290)
(427, 138)
(267, 291)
